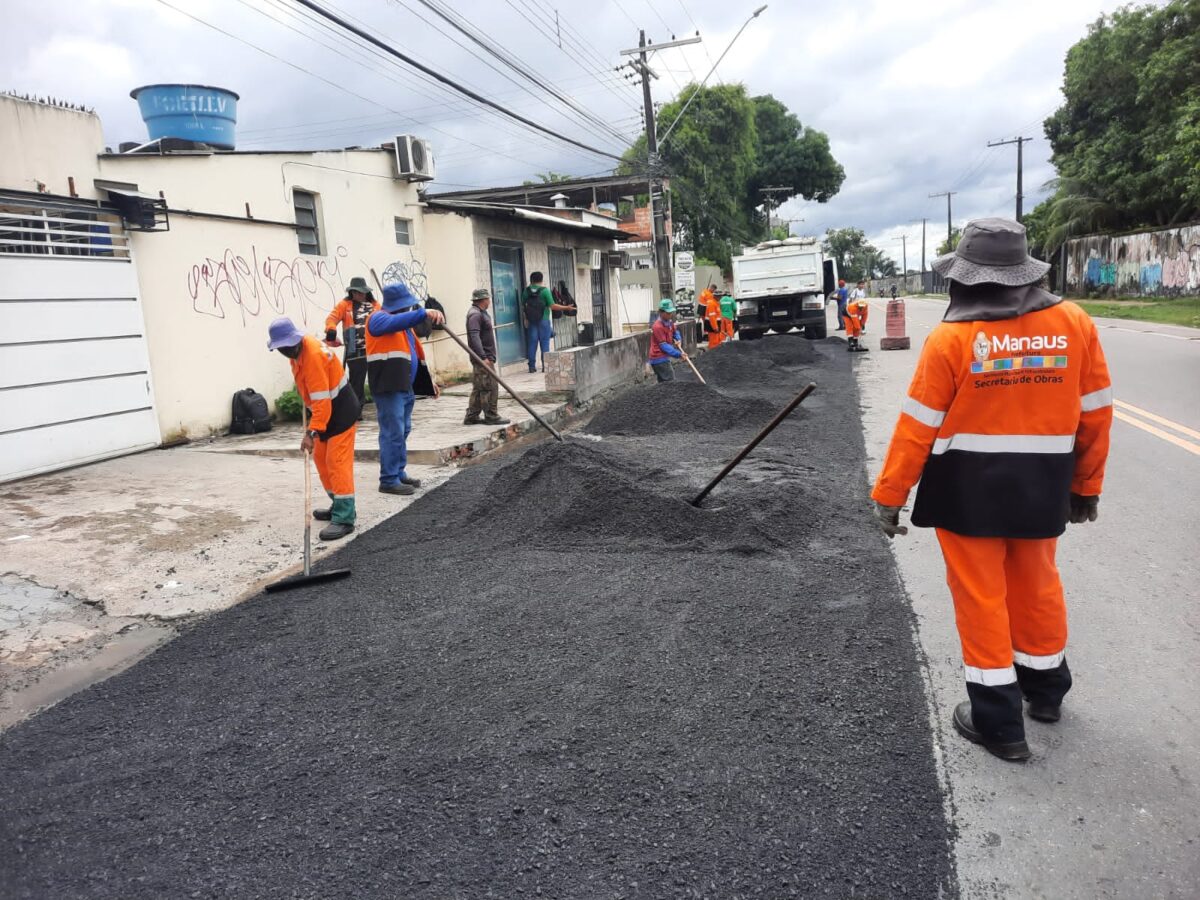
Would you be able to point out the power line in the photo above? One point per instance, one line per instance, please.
(599, 69)
(446, 80)
(526, 72)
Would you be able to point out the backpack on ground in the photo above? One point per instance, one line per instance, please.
(250, 413)
(534, 305)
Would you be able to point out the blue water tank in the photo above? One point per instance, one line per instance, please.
(194, 112)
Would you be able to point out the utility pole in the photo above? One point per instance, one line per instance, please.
(1020, 142)
(641, 65)
(949, 225)
(770, 192)
(923, 221)
(904, 260)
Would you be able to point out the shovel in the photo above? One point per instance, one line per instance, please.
(307, 577)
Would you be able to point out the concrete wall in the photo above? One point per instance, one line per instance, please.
(1161, 263)
(588, 371)
(449, 254)
(44, 144)
(210, 287)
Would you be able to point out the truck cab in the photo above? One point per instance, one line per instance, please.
(781, 285)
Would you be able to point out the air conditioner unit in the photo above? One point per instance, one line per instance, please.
(588, 258)
(414, 158)
(618, 259)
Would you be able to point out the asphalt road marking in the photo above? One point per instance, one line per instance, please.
(1174, 426)
(1174, 337)
(1157, 432)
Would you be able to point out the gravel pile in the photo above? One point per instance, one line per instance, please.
(676, 407)
(497, 704)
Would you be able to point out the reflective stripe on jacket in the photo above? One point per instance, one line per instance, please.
(324, 387)
(1003, 420)
(390, 364)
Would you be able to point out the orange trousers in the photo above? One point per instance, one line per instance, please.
(715, 338)
(853, 325)
(335, 466)
(1012, 623)
(727, 329)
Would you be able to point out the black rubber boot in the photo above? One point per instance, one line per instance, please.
(411, 482)
(1016, 751)
(402, 489)
(323, 515)
(494, 420)
(472, 420)
(335, 531)
(1045, 712)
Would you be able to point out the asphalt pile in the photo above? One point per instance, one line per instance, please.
(533, 684)
(675, 407)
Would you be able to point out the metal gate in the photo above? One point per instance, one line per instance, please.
(562, 284)
(75, 380)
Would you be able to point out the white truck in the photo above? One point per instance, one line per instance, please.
(781, 285)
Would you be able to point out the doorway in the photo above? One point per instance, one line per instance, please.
(506, 263)
(600, 324)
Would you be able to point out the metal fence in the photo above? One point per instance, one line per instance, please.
(31, 228)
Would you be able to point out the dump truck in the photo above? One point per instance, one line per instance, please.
(781, 285)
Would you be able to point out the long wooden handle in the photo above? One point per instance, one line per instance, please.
(758, 438)
(688, 360)
(475, 356)
(307, 496)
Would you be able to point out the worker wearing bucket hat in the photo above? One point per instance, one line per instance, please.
(665, 342)
(324, 388)
(1006, 427)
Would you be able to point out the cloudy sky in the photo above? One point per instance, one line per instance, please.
(909, 93)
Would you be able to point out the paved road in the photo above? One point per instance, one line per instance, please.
(1110, 805)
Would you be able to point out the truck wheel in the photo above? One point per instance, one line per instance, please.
(817, 332)
(750, 334)
(781, 329)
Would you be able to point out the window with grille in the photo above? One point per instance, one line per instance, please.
(403, 231)
(308, 229)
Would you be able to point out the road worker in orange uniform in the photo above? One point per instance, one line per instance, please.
(324, 387)
(352, 313)
(1006, 425)
(711, 308)
(856, 313)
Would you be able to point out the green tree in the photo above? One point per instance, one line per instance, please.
(948, 245)
(548, 178)
(1126, 141)
(857, 259)
(726, 146)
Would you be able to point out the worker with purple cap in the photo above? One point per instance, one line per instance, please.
(324, 388)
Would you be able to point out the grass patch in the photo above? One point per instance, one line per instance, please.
(1169, 311)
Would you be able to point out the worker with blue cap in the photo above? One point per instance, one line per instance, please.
(395, 357)
(324, 388)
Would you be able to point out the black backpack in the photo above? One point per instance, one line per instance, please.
(534, 305)
(250, 413)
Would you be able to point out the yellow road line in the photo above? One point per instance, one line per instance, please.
(1158, 432)
(1174, 426)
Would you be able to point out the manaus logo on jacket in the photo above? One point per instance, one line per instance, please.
(1025, 344)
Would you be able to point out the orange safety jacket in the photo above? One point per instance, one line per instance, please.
(324, 387)
(390, 361)
(712, 311)
(1004, 419)
(344, 312)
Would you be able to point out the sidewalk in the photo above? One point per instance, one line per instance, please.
(101, 563)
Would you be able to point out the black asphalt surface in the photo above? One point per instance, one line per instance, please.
(549, 677)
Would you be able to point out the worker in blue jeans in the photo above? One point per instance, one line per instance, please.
(394, 358)
(538, 303)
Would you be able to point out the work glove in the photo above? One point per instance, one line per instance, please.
(1084, 509)
(889, 519)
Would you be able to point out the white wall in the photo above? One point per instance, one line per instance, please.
(42, 143)
(449, 253)
(211, 287)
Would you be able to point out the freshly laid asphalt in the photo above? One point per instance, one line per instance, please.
(549, 676)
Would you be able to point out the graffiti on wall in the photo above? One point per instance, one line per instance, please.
(1162, 263)
(248, 285)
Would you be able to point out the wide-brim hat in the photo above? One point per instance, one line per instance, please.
(283, 333)
(358, 283)
(992, 251)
